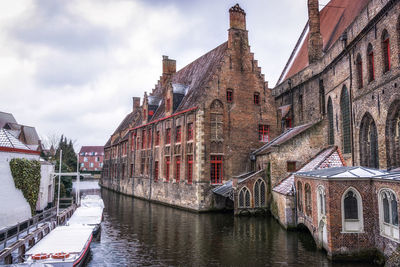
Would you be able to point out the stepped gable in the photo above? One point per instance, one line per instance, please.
(196, 76)
(335, 17)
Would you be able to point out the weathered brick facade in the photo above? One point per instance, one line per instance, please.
(224, 100)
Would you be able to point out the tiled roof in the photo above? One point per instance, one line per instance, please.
(286, 136)
(9, 141)
(30, 134)
(195, 77)
(344, 172)
(5, 118)
(335, 17)
(327, 158)
(98, 149)
(224, 190)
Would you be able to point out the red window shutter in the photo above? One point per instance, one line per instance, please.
(189, 169)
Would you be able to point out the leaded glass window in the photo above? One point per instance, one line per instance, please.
(345, 112)
(350, 206)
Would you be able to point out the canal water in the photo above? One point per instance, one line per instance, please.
(139, 233)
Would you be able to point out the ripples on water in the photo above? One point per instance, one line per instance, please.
(139, 233)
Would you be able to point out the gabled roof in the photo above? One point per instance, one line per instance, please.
(326, 158)
(335, 17)
(195, 77)
(284, 137)
(98, 149)
(8, 142)
(30, 135)
(6, 118)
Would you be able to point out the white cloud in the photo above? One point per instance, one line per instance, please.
(72, 66)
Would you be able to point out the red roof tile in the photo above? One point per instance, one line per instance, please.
(335, 17)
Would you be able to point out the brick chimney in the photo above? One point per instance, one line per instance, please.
(136, 103)
(315, 37)
(237, 18)
(168, 66)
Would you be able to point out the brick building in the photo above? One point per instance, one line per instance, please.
(91, 159)
(350, 211)
(196, 129)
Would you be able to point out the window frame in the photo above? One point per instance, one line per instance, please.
(263, 131)
(177, 169)
(178, 134)
(256, 98)
(384, 226)
(167, 168)
(371, 63)
(244, 192)
(386, 51)
(216, 169)
(229, 95)
(190, 131)
(156, 171)
(168, 136)
(189, 169)
(347, 222)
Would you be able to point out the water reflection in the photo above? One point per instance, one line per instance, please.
(139, 233)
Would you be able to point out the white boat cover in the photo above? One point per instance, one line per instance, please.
(92, 201)
(86, 215)
(68, 239)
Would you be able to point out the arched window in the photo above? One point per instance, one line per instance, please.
(321, 97)
(368, 142)
(307, 190)
(385, 51)
(371, 67)
(216, 120)
(352, 218)
(345, 113)
(393, 135)
(244, 198)
(359, 71)
(321, 202)
(259, 194)
(299, 196)
(331, 138)
(388, 214)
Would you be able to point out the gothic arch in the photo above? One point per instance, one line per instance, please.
(392, 135)
(259, 194)
(331, 136)
(345, 116)
(244, 198)
(369, 156)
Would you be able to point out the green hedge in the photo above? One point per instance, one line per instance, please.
(26, 174)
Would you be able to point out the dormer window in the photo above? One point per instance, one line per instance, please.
(256, 98)
(229, 95)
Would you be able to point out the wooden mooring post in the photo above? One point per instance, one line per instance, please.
(34, 234)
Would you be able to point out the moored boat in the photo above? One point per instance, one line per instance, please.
(87, 216)
(65, 246)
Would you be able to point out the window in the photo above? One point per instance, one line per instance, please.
(167, 162)
(190, 131)
(263, 133)
(156, 171)
(321, 202)
(299, 196)
(142, 165)
(168, 105)
(244, 198)
(189, 169)
(359, 70)
(143, 139)
(301, 108)
(91, 164)
(345, 113)
(393, 135)
(256, 98)
(288, 123)
(331, 138)
(168, 137)
(216, 169)
(149, 139)
(82, 164)
(307, 191)
(216, 121)
(388, 214)
(386, 51)
(229, 95)
(352, 219)
(291, 166)
(85, 159)
(259, 194)
(371, 67)
(157, 138)
(368, 142)
(321, 97)
(178, 134)
(177, 169)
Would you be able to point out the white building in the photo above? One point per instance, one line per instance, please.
(13, 206)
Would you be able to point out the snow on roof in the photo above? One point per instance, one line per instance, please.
(69, 239)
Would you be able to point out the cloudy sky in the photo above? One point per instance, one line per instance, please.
(72, 66)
